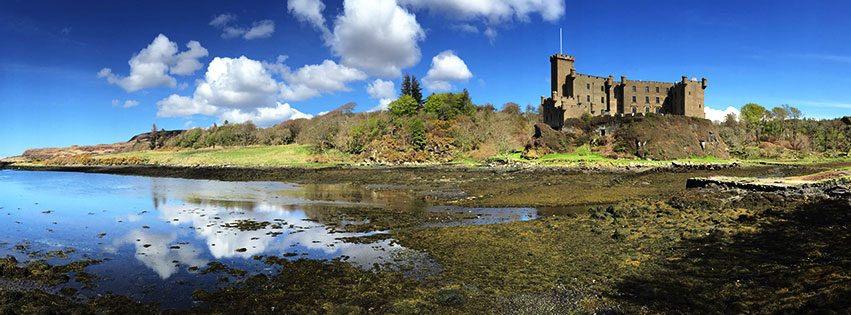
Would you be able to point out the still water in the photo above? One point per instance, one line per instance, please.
(155, 234)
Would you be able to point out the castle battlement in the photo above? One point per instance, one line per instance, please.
(573, 94)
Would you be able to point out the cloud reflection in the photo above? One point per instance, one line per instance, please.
(155, 251)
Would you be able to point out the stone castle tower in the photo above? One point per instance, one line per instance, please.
(574, 94)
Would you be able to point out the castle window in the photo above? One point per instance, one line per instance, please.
(658, 110)
(647, 99)
(657, 100)
(602, 88)
(633, 110)
(633, 88)
(657, 89)
(646, 89)
(602, 100)
(588, 98)
(587, 86)
(647, 109)
(633, 99)
(689, 92)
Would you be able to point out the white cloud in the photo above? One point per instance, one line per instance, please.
(223, 20)
(493, 11)
(232, 32)
(187, 62)
(264, 115)
(236, 83)
(312, 80)
(127, 103)
(377, 36)
(385, 91)
(446, 67)
(327, 76)
(260, 29)
(148, 67)
(309, 11)
(381, 89)
(240, 89)
(719, 115)
(183, 106)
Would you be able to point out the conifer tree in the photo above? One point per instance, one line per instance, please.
(406, 85)
(416, 91)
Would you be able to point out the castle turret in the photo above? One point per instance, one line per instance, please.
(560, 67)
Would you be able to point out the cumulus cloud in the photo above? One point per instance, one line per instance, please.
(309, 11)
(446, 67)
(127, 103)
(148, 67)
(265, 115)
(377, 36)
(381, 89)
(720, 115)
(493, 11)
(240, 89)
(260, 29)
(385, 91)
(183, 106)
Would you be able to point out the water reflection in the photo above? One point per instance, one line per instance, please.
(168, 225)
(159, 252)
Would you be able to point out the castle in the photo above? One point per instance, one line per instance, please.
(574, 94)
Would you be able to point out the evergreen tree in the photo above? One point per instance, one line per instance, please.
(416, 91)
(406, 85)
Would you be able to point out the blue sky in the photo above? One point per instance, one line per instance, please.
(88, 72)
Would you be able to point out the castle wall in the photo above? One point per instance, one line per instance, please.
(645, 96)
(574, 94)
(591, 92)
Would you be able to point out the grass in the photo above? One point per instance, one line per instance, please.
(284, 155)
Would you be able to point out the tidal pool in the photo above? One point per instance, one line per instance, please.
(157, 236)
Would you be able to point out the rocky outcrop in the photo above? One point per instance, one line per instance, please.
(652, 137)
(840, 188)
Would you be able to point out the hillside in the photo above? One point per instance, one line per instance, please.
(138, 142)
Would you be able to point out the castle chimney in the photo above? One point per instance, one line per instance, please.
(572, 72)
(623, 79)
(685, 78)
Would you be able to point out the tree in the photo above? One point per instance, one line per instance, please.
(780, 112)
(416, 91)
(410, 86)
(405, 106)
(753, 115)
(418, 134)
(511, 108)
(406, 85)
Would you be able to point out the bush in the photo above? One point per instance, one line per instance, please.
(405, 106)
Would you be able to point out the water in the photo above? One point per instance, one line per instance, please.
(153, 231)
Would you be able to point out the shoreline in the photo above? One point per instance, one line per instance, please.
(276, 173)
